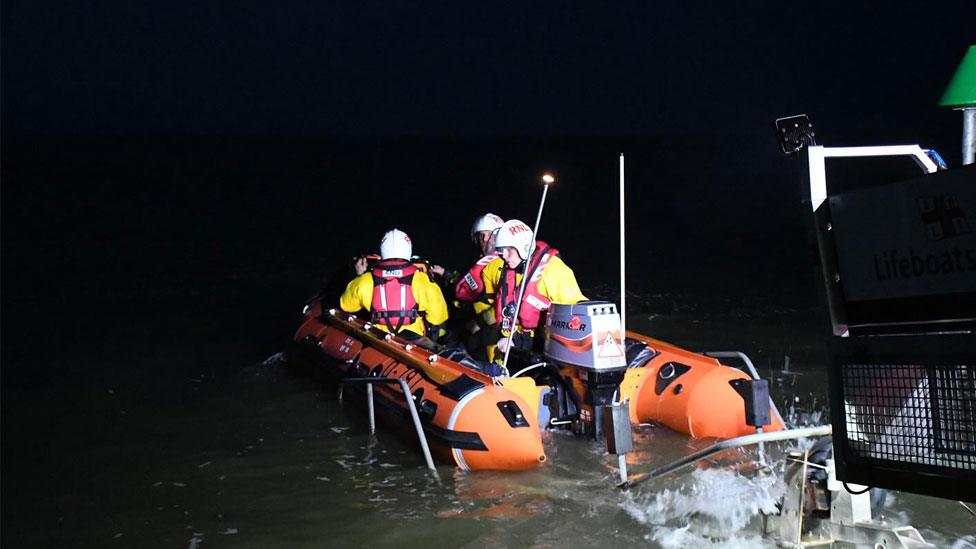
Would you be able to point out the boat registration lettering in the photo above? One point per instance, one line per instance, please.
(390, 371)
(404, 372)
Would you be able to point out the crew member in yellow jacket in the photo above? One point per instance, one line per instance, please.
(550, 281)
(402, 299)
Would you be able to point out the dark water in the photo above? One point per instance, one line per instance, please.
(146, 282)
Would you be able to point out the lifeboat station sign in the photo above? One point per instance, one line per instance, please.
(913, 238)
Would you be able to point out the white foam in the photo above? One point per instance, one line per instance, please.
(682, 538)
(277, 359)
(966, 542)
(711, 508)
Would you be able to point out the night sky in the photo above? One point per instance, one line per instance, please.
(864, 70)
(209, 153)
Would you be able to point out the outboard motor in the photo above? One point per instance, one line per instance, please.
(587, 338)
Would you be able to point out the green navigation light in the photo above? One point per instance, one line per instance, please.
(962, 90)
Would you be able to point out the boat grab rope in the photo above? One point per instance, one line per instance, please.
(527, 368)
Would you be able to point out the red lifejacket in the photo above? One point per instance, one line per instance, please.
(471, 287)
(393, 303)
(533, 302)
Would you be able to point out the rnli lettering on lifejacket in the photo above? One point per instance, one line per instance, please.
(469, 288)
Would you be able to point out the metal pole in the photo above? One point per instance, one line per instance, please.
(968, 135)
(416, 424)
(623, 268)
(816, 431)
(622, 465)
(525, 270)
(408, 397)
(369, 406)
(761, 447)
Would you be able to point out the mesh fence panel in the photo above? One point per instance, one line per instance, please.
(910, 414)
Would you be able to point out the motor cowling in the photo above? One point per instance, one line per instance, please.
(586, 335)
(587, 338)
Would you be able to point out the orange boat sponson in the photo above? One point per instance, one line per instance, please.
(468, 420)
(688, 392)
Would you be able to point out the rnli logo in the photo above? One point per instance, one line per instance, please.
(393, 273)
(943, 217)
(520, 228)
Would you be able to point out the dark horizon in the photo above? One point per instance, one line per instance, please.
(381, 69)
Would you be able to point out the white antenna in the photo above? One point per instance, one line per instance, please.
(547, 179)
(623, 255)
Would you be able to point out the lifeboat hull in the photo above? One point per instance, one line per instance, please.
(469, 421)
(688, 392)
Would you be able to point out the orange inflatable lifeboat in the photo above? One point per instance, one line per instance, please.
(475, 421)
(468, 419)
(688, 392)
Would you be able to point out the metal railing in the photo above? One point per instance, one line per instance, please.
(816, 431)
(408, 398)
(752, 371)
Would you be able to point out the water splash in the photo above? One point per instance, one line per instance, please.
(278, 360)
(710, 508)
(966, 542)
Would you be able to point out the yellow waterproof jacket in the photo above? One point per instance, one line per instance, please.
(558, 283)
(491, 272)
(430, 300)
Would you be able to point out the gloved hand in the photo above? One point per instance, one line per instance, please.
(359, 265)
(437, 332)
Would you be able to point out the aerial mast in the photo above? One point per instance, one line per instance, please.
(961, 95)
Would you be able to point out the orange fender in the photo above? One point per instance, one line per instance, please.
(687, 392)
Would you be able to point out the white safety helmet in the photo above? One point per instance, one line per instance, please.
(515, 234)
(396, 245)
(488, 222)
